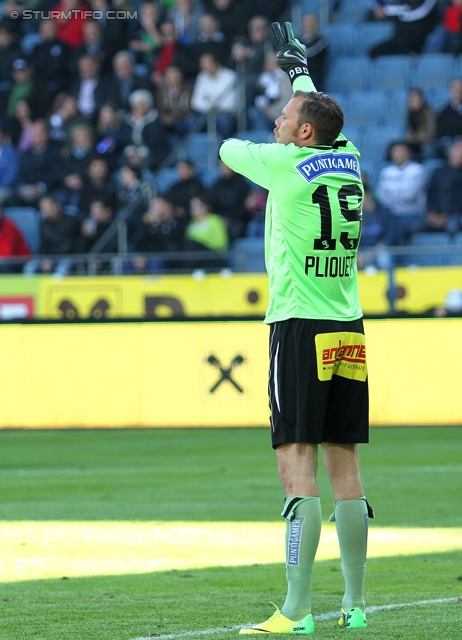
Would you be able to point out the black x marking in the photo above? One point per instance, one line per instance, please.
(225, 374)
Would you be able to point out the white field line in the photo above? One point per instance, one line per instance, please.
(322, 616)
(43, 473)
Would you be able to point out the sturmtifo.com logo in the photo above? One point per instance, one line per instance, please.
(76, 14)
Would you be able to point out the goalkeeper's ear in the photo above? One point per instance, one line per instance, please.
(280, 34)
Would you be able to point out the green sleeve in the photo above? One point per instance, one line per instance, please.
(254, 161)
(303, 83)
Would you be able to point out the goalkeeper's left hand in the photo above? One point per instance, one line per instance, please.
(291, 56)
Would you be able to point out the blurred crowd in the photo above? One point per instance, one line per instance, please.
(95, 96)
(93, 99)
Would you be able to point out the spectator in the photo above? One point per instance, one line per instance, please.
(64, 118)
(143, 128)
(74, 164)
(9, 52)
(99, 218)
(449, 119)
(414, 20)
(401, 188)
(250, 53)
(124, 81)
(21, 126)
(210, 38)
(186, 15)
(92, 46)
(271, 9)
(9, 165)
(39, 167)
(97, 185)
(231, 15)
(215, 92)
(135, 193)
(420, 123)
(58, 236)
(273, 91)
(137, 158)
(317, 49)
(27, 87)
(256, 206)
(447, 36)
(114, 32)
(12, 244)
(174, 96)
(444, 194)
(73, 14)
(228, 197)
(89, 87)
(109, 135)
(51, 58)
(377, 233)
(205, 233)
(162, 231)
(148, 37)
(172, 52)
(187, 186)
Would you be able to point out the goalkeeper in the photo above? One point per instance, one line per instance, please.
(318, 385)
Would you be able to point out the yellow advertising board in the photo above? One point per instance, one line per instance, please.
(186, 296)
(154, 297)
(177, 374)
(425, 288)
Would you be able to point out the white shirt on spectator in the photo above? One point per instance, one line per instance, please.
(86, 98)
(402, 188)
(215, 91)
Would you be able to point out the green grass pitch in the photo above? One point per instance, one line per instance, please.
(117, 535)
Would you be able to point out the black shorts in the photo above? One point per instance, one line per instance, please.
(318, 387)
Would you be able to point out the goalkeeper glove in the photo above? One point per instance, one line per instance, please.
(291, 56)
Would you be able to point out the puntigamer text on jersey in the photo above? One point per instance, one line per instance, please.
(330, 162)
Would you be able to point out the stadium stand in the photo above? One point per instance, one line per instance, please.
(433, 71)
(390, 73)
(202, 148)
(365, 108)
(438, 98)
(368, 34)
(208, 175)
(427, 241)
(457, 67)
(248, 255)
(341, 38)
(353, 12)
(166, 178)
(456, 258)
(377, 140)
(395, 107)
(348, 73)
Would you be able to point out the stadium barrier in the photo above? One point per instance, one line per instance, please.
(206, 374)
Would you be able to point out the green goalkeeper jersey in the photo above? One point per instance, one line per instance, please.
(312, 226)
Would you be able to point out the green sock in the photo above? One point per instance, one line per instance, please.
(303, 530)
(351, 520)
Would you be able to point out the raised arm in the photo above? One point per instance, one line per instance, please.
(291, 57)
